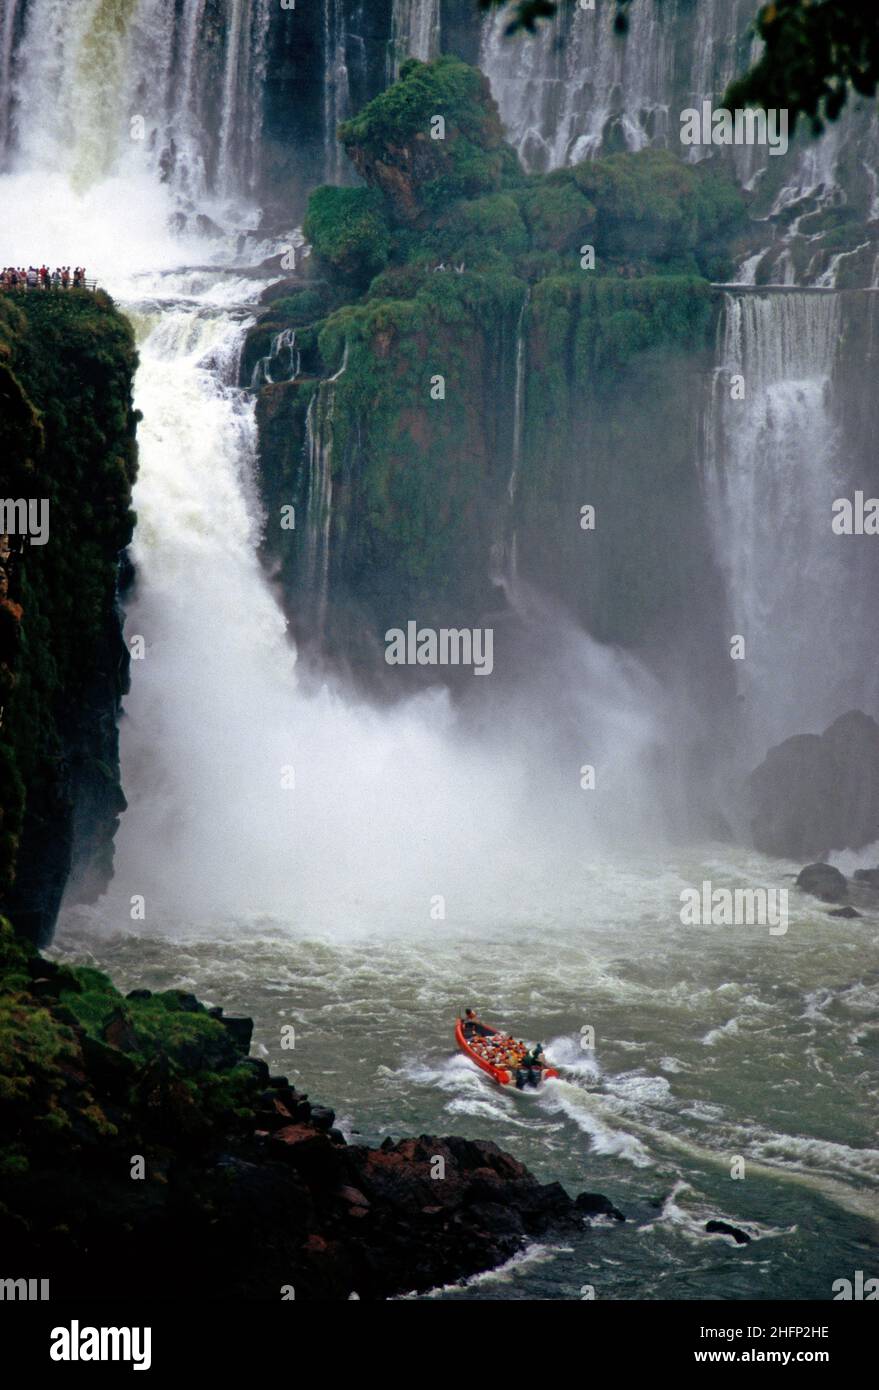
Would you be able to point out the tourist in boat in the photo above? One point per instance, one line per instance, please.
(530, 1067)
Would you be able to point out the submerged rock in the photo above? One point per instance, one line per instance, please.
(870, 877)
(723, 1228)
(844, 912)
(817, 793)
(823, 881)
(595, 1204)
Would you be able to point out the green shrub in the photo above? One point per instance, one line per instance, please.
(348, 230)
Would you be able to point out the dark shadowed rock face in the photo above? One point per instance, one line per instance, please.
(823, 881)
(814, 794)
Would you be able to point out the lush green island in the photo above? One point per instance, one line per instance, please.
(443, 286)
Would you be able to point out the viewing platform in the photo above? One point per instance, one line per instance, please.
(18, 282)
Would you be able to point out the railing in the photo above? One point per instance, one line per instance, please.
(51, 286)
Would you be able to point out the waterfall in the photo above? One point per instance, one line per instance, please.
(9, 18)
(336, 95)
(577, 90)
(319, 453)
(173, 86)
(772, 469)
(284, 352)
(504, 561)
(558, 92)
(415, 33)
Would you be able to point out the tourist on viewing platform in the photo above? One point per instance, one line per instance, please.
(42, 278)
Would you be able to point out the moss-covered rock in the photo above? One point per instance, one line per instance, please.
(348, 230)
(66, 368)
(397, 145)
(410, 385)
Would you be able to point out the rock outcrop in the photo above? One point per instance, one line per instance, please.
(137, 1135)
(823, 881)
(66, 440)
(818, 793)
(462, 379)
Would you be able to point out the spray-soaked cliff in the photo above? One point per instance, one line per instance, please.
(450, 382)
(66, 365)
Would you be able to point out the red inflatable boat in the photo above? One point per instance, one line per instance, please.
(503, 1075)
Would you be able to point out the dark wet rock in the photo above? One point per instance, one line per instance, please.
(206, 226)
(240, 1030)
(823, 881)
(139, 994)
(44, 988)
(595, 1204)
(869, 877)
(723, 1228)
(259, 1068)
(847, 911)
(322, 1118)
(818, 793)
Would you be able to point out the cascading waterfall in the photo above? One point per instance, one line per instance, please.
(772, 470)
(336, 94)
(9, 18)
(267, 827)
(280, 364)
(415, 33)
(319, 451)
(504, 562)
(137, 84)
(578, 90)
(558, 91)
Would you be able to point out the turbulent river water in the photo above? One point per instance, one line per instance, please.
(306, 899)
(710, 1043)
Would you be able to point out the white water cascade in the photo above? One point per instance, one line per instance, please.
(577, 90)
(772, 471)
(246, 795)
(319, 450)
(336, 93)
(415, 33)
(281, 362)
(162, 84)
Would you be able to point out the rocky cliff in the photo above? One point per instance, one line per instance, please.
(467, 341)
(66, 367)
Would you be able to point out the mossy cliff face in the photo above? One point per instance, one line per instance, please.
(66, 366)
(479, 354)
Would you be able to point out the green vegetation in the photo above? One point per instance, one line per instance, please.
(473, 253)
(67, 435)
(79, 1063)
(348, 230)
(393, 146)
